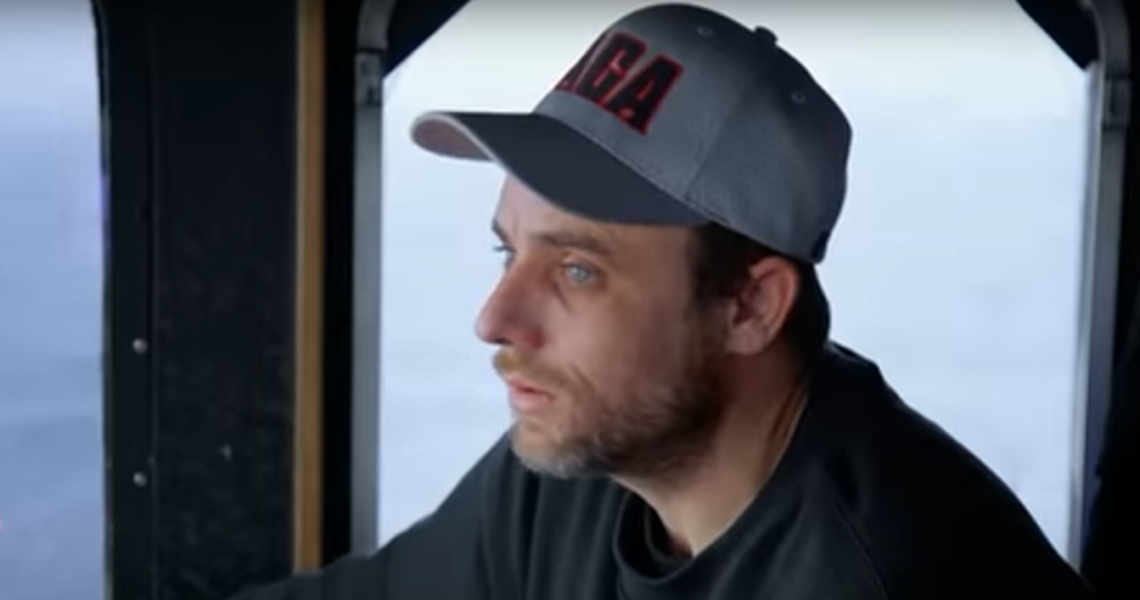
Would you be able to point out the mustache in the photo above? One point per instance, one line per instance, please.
(511, 362)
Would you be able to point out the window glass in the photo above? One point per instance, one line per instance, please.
(51, 291)
(955, 265)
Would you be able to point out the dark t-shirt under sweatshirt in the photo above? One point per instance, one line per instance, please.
(871, 501)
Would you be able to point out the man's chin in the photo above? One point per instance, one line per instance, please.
(532, 443)
(539, 453)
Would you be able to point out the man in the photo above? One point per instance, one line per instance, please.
(683, 428)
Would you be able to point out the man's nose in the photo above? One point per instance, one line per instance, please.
(509, 316)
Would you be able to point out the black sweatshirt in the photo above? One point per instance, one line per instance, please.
(871, 501)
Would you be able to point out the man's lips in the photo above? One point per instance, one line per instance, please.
(526, 396)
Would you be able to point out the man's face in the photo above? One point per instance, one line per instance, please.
(610, 366)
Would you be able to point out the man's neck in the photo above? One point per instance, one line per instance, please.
(701, 504)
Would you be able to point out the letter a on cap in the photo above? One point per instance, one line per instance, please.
(605, 76)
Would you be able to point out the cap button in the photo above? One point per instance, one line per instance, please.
(768, 36)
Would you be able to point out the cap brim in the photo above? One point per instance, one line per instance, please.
(557, 162)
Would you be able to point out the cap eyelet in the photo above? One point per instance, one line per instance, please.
(704, 31)
(798, 97)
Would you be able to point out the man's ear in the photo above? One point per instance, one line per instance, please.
(761, 306)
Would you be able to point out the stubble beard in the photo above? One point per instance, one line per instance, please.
(657, 429)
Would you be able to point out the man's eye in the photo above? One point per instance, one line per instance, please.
(579, 274)
(508, 254)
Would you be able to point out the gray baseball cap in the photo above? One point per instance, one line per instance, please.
(676, 115)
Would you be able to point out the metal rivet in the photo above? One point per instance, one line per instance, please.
(140, 479)
(139, 346)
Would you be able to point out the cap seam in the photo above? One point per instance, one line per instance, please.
(732, 109)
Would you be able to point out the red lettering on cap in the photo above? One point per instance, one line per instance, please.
(605, 76)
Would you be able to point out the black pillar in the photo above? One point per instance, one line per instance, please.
(200, 121)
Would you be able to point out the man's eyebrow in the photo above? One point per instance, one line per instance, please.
(577, 240)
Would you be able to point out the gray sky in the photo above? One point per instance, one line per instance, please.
(48, 63)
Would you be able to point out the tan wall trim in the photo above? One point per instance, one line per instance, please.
(308, 442)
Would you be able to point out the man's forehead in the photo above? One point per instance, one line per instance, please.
(523, 213)
(514, 193)
(521, 206)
